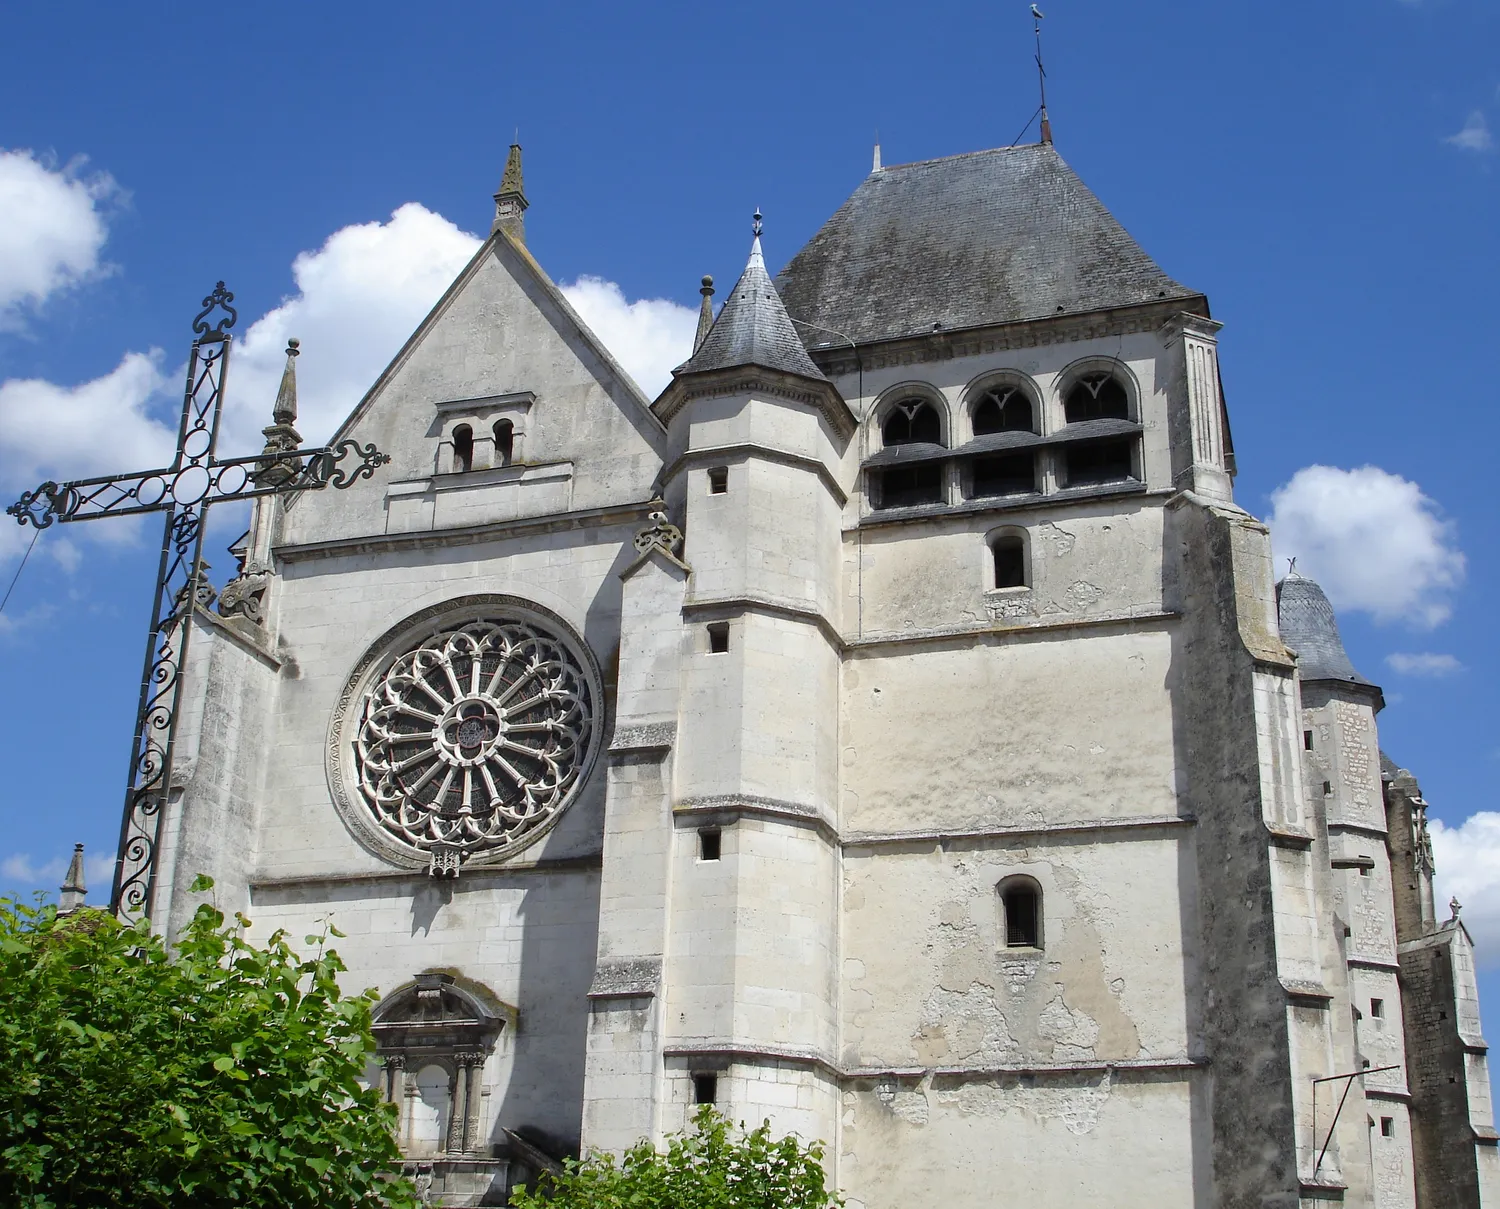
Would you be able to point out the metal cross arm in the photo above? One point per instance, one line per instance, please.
(183, 490)
(197, 484)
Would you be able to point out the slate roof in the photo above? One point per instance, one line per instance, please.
(752, 329)
(984, 238)
(1309, 628)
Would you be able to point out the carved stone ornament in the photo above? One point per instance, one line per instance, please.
(660, 534)
(245, 594)
(464, 734)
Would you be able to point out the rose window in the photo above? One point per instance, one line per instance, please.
(473, 741)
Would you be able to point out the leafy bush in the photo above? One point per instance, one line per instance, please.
(212, 1072)
(707, 1167)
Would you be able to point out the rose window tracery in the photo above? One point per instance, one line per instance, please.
(472, 741)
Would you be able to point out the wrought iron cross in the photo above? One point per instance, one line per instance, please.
(184, 490)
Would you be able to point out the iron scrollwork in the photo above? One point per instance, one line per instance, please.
(184, 491)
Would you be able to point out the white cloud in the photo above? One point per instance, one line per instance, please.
(649, 337)
(1372, 539)
(52, 229)
(1475, 135)
(21, 870)
(1423, 663)
(1468, 868)
(358, 298)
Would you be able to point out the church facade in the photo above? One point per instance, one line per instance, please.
(894, 730)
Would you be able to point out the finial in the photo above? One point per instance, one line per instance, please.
(1455, 907)
(282, 436)
(875, 167)
(73, 891)
(285, 409)
(1291, 566)
(510, 198)
(755, 223)
(705, 313)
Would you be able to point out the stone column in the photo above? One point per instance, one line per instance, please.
(458, 1104)
(473, 1069)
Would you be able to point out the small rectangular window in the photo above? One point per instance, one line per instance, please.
(1021, 922)
(1307, 739)
(709, 844)
(1007, 474)
(705, 1089)
(1377, 1008)
(1327, 788)
(718, 480)
(718, 637)
(1387, 1127)
(1010, 562)
(1364, 871)
(1093, 463)
(908, 486)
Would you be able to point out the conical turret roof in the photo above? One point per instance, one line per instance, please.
(1309, 627)
(753, 328)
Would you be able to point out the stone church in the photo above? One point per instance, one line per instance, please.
(895, 730)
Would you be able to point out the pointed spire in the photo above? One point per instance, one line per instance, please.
(282, 436)
(875, 167)
(285, 410)
(705, 312)
(73, 891)
(752, 327)
(510, 199)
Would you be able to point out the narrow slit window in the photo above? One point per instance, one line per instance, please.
(505, 442)
(1377, 1008)
(1009, 554)
(705, 1089)
(1021, 902)
(1327, 788)
(718, 480)
(710, 844)
(718, 637)
(1387, 1127)
(463, 449)
(1307, 740)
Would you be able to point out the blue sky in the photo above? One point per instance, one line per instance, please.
(1325, 173)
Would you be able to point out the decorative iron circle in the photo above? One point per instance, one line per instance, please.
(470, 726)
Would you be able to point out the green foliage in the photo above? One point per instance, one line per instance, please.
(707, 1167)
(210, 1073)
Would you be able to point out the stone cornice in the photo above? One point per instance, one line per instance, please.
(732, 806)
(466, 535)
(725, 1052)
(722, 453)
(1039, 629)
(1079, 828)
(949, 344)
(822, 396)
(758, 602)
(476, 878)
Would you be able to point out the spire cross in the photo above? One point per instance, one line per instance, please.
(183, 490)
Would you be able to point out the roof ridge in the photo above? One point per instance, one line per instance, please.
(965, 155)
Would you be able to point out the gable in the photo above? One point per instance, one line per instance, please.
(501, 347)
